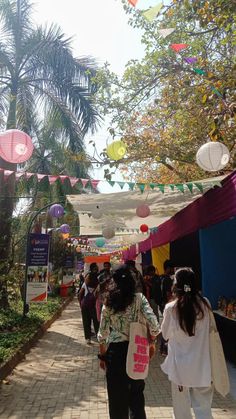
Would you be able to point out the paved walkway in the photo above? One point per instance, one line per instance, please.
(60, 378)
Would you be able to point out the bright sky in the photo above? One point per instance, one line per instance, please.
(99, 28)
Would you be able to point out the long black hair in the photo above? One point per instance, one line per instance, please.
(122, 291)
(190, 304)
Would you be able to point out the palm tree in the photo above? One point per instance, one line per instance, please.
(38, 74)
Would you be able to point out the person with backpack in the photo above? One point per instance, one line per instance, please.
(186, 323)
(87, 301)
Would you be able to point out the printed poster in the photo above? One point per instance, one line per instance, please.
(37, 268)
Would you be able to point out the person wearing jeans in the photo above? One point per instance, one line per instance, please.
(125, 395)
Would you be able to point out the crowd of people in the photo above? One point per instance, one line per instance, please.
(109, 300)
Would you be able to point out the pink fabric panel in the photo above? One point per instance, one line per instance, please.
(145, 245)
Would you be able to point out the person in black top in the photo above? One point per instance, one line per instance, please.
(154, 285)
(166, 291)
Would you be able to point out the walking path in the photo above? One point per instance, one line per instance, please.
(60, 378)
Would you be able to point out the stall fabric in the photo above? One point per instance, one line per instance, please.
(99, 260)
(214, 206)
(146, 259)
(186, 252)
(218, 251)
(159, 256)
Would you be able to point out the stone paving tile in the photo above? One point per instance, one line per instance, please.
(60, 379)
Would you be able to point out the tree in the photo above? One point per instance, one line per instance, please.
(38, 72)
(165, 108)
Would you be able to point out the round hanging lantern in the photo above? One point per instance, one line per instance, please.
(97, 213)
(100, 242)
(56, 211)
(108, 232)
(65, 236)
(65, 228)
(15, 146)
(143, 211)
(212, 156)
(75, 242)
(116, 150)
(144, 228)
(78, 249)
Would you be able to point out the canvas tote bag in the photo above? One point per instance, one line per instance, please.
(219, 370)
(137, 361)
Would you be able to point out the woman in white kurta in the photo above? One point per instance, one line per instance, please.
(186, 327)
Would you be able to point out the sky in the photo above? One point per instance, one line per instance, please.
(99, 28)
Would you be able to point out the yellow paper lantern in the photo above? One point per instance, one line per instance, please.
(65, 236)
(116, 150)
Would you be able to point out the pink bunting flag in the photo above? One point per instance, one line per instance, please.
(52, 179)
(40, 177)
(29, 175)
(7, 173)
(84, 182)
(190, 60)
(19, 175)
(73, 181)
(63, 178)
(133, 2)
(178, 47)
(94, 183)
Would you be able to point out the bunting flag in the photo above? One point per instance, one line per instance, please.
(216, 91)
(199, 71)
(190, 60)
(151, 13)
(178, 47)
(70, 182)
(133, 2)
(165, 32)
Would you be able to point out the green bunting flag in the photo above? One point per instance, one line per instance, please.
(141, 186)
(172, 187)
(180, 187)
(131, 186)
(121, 184)
(199, 186)
(151, 13)
(199, 71)
(190, 187)
(111, 182)
(161, 187)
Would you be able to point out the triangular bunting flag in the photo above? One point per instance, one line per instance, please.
(141, 186)
(73, 181)
(178, 47)
(63, 178)
(40, 177)
(190, 60)
(190, 187)
(19, 175)
(161, 187)
(165, 32)
(151, 13)
(94, 183)
(111, 182)
(52, 179)
(133, 2)
(29, 175)
(199, 71)
(84, 182)
(152, 185)
(216, 91)
(8, 173)
(131, 185)
(121, 184)
(180, 187)
(199, 186)
(172, 187)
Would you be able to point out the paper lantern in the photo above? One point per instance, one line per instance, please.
(65, 228)
(108, 232)
(15, 146)
(75, 242)
(144, 228)
(97, 213)
(65, 236)
(56, 211)
(116, 150)
(100, 242)
(143, 211)
(212, 156)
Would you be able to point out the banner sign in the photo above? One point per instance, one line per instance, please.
(37, 268)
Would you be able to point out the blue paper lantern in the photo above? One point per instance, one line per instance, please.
(65, 228)
(100, 242)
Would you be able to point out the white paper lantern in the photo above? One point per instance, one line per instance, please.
(212, 156)
(108, 232)
(97, 213)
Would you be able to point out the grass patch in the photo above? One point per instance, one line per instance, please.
(15, 330)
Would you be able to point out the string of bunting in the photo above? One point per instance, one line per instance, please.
(73, 181)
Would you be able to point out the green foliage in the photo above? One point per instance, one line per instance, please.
(15, 330)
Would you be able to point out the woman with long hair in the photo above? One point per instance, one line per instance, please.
(119, 310)
(185, 325)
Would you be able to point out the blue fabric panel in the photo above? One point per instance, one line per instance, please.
(218, 260)
(146, 259)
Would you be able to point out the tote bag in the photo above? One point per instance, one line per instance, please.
(137, 361)
(219, 370)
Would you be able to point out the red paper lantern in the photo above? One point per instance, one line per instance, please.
(144, 228)
(15, 146)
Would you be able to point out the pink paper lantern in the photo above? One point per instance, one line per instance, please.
(143, 211)
(15, 146)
